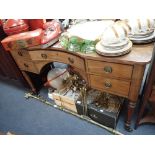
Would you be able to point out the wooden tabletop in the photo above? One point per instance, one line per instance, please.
(140, 54)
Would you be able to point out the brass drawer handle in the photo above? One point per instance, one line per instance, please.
(44, 56)
(107, 84)
(71, 60)
(20, 53)
(26, 65)
(108, 69)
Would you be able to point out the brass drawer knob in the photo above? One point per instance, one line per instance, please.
(26, 65)
(44, 56)
(107, 84)
(108, 69)
(71, 60)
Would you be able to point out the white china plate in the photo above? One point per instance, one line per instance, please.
(143, 38)
(113, 52)
(142, 34)
(119, 45)
(91, 30)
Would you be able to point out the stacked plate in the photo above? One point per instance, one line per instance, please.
(115, 50)
(143, 37)
(114, 42)
(142, 30)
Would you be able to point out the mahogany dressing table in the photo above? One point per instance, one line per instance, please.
(117, 75)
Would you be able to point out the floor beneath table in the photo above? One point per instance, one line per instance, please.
(30, 117)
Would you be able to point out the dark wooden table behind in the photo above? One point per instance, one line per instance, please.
(8, 67)
(148, 97)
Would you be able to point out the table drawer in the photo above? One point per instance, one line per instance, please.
(27, 66)
(118, 87)
(110, 69)
(43, 55)
(72, 60)
(21, 54)
(58, 56)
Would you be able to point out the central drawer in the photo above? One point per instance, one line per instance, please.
(72, 60)
(58, 56)
(110, 69)
(43, 55)
(118, 87)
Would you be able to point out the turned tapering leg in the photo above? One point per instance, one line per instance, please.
(29, 82)
(131, 107)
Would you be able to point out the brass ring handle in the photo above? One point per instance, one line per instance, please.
(107, 84)
(44, 56)
(108, 69)
(26, 65)
(71, 60)
(20, 53)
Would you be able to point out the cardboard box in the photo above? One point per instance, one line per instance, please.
(22, 40)
(66, 101)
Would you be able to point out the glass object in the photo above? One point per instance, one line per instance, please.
(75, 44)
(88, 46)
(74, 47)
(64, 41)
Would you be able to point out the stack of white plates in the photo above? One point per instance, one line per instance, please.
(142, 30)
(143, 37)
(116, 46)
(114, 42)
(115, 49)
